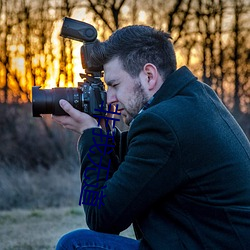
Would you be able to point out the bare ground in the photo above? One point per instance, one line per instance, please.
(22, 229)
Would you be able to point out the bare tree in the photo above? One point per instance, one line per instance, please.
(239, 53)
(66, 8)
(11, 77)
(217, 32)
(211, 36)
(4, 56)
(109, 12)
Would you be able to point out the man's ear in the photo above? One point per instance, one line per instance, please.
(152, 75)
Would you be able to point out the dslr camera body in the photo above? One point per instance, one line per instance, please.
(90, 96)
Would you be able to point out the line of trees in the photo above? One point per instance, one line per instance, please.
(210, 36)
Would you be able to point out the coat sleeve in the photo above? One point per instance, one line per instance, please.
(148, 173)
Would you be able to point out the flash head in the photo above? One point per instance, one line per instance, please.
(87, 34)
(77, 30)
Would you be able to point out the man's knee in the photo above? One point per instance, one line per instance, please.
(69, 240)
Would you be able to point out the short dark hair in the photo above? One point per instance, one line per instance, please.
(135, 46)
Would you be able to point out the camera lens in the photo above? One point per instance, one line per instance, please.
(46, 101)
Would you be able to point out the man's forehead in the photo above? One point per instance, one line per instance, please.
(113, 63)
(112, 69)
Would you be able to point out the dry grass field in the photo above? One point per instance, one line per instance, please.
(23, 229)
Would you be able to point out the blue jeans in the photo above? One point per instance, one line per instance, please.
(90, 240)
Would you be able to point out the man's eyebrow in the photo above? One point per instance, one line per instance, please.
(110, 82)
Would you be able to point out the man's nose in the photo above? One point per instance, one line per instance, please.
(111, 97)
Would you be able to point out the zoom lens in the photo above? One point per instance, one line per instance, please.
(46, 101)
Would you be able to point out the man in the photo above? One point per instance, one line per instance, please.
(185, 180)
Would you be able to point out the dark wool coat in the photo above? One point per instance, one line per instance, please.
(185, 179)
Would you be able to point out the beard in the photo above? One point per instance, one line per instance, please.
(135, 103)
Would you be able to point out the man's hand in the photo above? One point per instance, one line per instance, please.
(77, 120)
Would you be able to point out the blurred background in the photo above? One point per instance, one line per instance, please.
(39, 169)
(38, 160)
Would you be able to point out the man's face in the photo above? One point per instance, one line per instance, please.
(129, 93)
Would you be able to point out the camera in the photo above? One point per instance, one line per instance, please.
(90, 96)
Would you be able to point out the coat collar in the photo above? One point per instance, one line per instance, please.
(173, 84)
